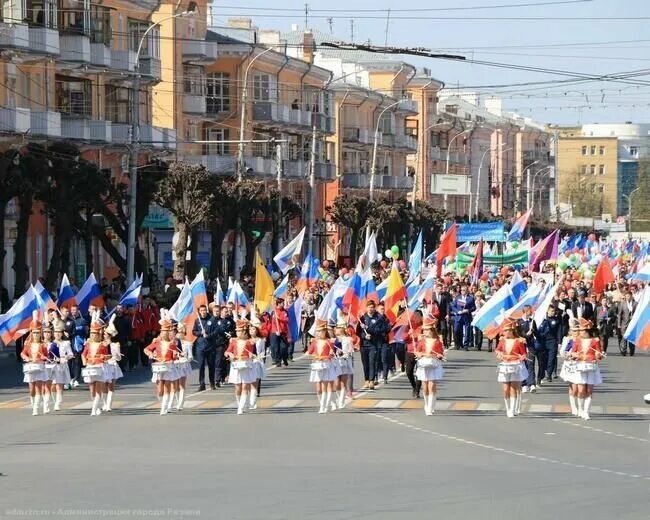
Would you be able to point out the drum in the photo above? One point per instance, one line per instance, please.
(242, 364)
(428, 362)
(508, 368)
(160, 368)
(319, 365)
(585, 366)
(92, 371)
(31, 368)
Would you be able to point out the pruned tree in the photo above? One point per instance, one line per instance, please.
(290, 210)
(429, 219)
(641, 198)
(9, 180)
(186, 193)
(353, 213)
(584, 195)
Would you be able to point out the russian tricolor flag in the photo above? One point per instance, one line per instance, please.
(132, 294)
(518, 228)
(90, 294)
(219, 296)
(183, 310)
(16, 321)
(66, 296)
(43, 298)
(281, 290)
(295, 318)
(238, 297)
(638, 331)
(285, 258)
(197, 289)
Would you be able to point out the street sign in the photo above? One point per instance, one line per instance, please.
(450, 184)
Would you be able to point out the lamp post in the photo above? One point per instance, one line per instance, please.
(478, 178)
(373, 167)
(629, 212)
(135, 148)
(528, 199)
(447, 165)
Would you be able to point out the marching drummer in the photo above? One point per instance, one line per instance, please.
(61, 351)
(568, 370)
(242, 374)
(258, 364)
(184, 363)
(429, 351)
(511, 352)
(323, 372)
(93, 356)
(344, 352)
(112, 370)
(587, 352)
(163, 351)
(34, 355)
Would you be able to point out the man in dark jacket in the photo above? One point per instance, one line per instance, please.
(225, 329)
(549, 335)
(442, 299)
(205, 330)
(122, 324)
(75, 329)
(526, 328)
(372, 330)
(582, 308)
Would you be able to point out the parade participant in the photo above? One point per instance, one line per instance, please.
(223, 332)
(242, 374)
(258, 363)
(93, 356)
(411, 340)
(34, 356)
(373, 327)
(344, 353)
(568, 370)
(605, 322)
(429, 351)
(386, 354)
(76, 332)
(163, 351)
(204, 330)
(526, 328)
(323, 372)
(112, 369)
(587, 353)
(625, 311)
(61, 352)
(548, 338)
(183, 363)
(48, 338)
(462, 308)
(280, 334)
(511, 353)
(442, 299)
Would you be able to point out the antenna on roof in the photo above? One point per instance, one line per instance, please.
(330, 22)
(352, 30)
(387, 26)
(306, 16)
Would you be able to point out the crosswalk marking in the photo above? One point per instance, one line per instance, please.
(540, 408)
(388, 403)
(287, 403)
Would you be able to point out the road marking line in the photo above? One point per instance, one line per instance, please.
(141, 404)
(465, 406)
(82, 406)
(544, 408)
(489, 407)
(503, 450)
(287, 403)
(412, 404)
(210, 404)
(388, 403)
(443, 405)
(600, 430)
(192, 404)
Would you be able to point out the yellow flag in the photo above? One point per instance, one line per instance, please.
(264, 286)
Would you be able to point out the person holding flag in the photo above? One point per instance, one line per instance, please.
(34, 356)
(279, 334)
(372, 330)
(343, 344)
(462, 308)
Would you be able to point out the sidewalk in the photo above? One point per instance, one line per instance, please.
(11, 375)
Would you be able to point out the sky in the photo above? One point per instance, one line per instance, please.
(573, 37)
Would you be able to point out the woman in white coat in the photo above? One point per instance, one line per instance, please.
(60, 352)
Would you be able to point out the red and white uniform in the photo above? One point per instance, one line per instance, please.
(322, 351)
(509, 351)
(429, 348)
(94, 354)
(164, 352)
(35, 353)
(241, 350)
(587, 350)
(412, 337)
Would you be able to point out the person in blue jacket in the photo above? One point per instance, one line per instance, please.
(462, 307)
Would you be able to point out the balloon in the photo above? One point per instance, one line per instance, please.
(326, 264)
(395, 250)
(388, 253)
(514, 245)
(275, 275)
(395, 256)
(562, 264)
(492, 276)
(588, 275)
(485, 277)
(383, 264)
(402, 265)
(379, 257)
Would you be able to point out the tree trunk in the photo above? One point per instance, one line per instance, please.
(3, 251)
(250, 253)
(353, 244)
(88, 246)
(192, 266)
(20, 244)
(179, 250)
(218, 232)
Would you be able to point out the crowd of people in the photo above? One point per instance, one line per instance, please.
(231, 343)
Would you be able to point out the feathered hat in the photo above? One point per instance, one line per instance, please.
(585, 324)
(321, 325)
(35, 325)
(110, 329)
(59, 326)
(341, 319)
(242, 324)
(96, 323)
(429, 322)
(165, 320)
(509, 324)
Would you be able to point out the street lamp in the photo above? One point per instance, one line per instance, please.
(528, 183)
(135, 148)
(629, 211)
(535, 176)
(447, 165)
(374, 147)
(478, 179)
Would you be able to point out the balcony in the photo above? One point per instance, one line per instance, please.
(407, 142)
(325, 172)
(295, 169)
(74, 47)
(169, 138)
(351, 135)
(43, 40)
(216, 164)
(14, 36)
(387, 140)
(121, 133)
(123, 60)
(436, 153)
(274, 114)
(324, 123)
(45, 123)
(149, 68)
(101, 131)
(199, 51)
(151, 136)
(15, 120)
(382, 182)
(193, 104)
(409, 105)
(75, 128)
(100, 55)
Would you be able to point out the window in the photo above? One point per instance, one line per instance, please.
(118, 104)
(584, 150)
(194, 81)
(263, 150)
(73, 96)
(592, 169)
(601, 169)
(452, 109)
(74, 16)
(100, 25)
(584, 169)
(217, 134)
(261, 87)
(42, 13)
(192, 131)
(150, 45)
(593, 150)
(218, 92)
(634, 151)
(601, 151)
(386, 123)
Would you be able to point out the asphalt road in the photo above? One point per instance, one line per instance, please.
(379, 458)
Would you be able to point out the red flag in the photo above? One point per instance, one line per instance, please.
(447, 246)
(603, 276)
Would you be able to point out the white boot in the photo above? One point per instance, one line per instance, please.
(58, 400)
(342, 398)
(432, 405)
(46, 403)
(573, 404)
(513, 405)
(518, 404)
(35, 404)
(163, 404)
(253, 401)
(581, 406)
(104, 405)
(321, 399)
(170, 401)
(31, 400)
(181, 399)
(425, 397)
(109, 401)
(327, 400)
(242, 402)
(96, 410)
(508, 410)
(332, 403)
(585, 411)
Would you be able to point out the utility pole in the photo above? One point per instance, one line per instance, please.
(278, 164)
(312, 190)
